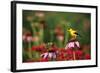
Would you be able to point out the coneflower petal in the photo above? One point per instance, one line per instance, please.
(77, 43)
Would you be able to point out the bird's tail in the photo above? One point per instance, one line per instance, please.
(78, 34)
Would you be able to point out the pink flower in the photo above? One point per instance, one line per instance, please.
(44, 55)
(49, 55)
(40, 14)
(24, 37)
(35, 38)
(73, 44)
(29, 38)
(70, 45)
(60, 37)
(77, 44)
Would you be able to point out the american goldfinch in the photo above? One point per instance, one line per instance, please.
(73, 33)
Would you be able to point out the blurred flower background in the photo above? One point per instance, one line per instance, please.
(45, 36)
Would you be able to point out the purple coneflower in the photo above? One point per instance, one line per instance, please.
(73, 44)
(50, 55)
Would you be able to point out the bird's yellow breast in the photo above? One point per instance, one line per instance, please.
(72, 33)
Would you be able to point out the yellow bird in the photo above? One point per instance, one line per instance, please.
(73, 33)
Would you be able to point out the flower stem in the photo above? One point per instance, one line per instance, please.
(74, 57)
(29, 50)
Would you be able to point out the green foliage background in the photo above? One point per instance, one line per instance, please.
(66, 20)
(62, 18)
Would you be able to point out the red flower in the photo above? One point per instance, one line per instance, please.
(34, 48)
(40, 48)
(87, 56)
(43, 60)
(69, 57)
(53, 47)
(28, 34)
(62, 50)
(78, 54)
(69, 51)
(61, 56)
(60, 59)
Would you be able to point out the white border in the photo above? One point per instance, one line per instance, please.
(21, 65)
